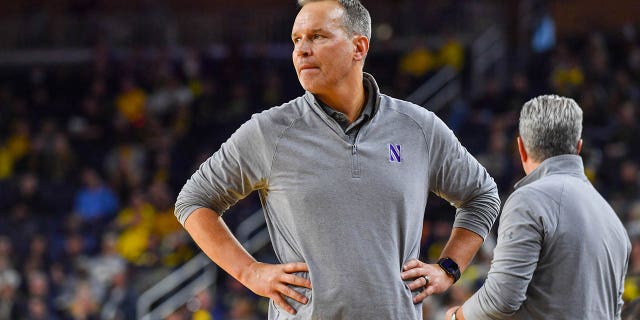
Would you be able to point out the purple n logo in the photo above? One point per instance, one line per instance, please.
(394, 153)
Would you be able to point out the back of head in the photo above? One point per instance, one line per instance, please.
(550, 125)
(357, 20)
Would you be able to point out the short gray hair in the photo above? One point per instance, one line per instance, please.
(550, 125)
(356, 21)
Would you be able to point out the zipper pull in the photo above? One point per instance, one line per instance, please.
(354, 149)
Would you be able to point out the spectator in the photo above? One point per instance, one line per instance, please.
(9, 297)
(120, 299)
(95, 204)
(130, 102)
(105, 266)
(125, 166)
(83, 305)
(134, 225)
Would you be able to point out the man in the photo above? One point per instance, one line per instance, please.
(343, 173)
(562, 252)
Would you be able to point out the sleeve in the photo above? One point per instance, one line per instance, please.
(240, 166)
(516, 255)
(456, 176)
(620, 293)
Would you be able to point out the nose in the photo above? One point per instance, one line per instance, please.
(302, 48)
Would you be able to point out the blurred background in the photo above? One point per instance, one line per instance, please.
(108, 106)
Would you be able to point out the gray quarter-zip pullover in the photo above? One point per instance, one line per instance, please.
(562, 252)
(353, 211)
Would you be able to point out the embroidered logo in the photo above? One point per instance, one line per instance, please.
(394, 153)
(508, 236)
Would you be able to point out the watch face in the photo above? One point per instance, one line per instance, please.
(449, 265)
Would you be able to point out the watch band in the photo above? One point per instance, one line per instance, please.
(450, 267)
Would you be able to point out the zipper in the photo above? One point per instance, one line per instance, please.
(355, 164)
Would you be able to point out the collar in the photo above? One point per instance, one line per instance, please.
(370, 108)
(570, 164)
(364, 115)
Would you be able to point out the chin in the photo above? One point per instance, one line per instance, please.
(308, 86)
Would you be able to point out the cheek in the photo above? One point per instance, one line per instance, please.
(338, 53)
(338, 58)
(293, 61)
(341, 65)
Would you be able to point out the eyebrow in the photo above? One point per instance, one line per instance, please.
(312, 31)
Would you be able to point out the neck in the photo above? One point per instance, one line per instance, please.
(530, 165)
(348, 99)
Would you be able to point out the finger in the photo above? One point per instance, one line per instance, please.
(279, 300)
(428, 290)
(417, 284)
(450, 312)
(295, 280)
(412, 273)
(295, 267)
(413, 263)
(421, 296)
(295, 295)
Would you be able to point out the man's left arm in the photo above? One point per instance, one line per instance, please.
(459, 178)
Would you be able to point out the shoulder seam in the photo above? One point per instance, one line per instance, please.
(277, 142)
(424, 135)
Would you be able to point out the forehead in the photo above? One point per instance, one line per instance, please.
(318, 16)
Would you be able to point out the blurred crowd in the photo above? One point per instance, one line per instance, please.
(92, 157)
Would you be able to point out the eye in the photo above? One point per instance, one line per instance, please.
(296, 39)
(317, 36)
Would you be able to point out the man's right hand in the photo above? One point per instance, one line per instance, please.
(273, 280)
(210, 232)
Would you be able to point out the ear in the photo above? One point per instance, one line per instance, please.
(522, 151)
(579, 147)
(361, 46)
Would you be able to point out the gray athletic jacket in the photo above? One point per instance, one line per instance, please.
(352, 211)
(562, 252)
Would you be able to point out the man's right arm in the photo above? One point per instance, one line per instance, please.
(213, 236)
(515, 259)
(230, 174)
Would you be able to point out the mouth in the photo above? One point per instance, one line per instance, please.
(307, 67)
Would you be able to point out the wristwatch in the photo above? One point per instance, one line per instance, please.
(450, 267)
